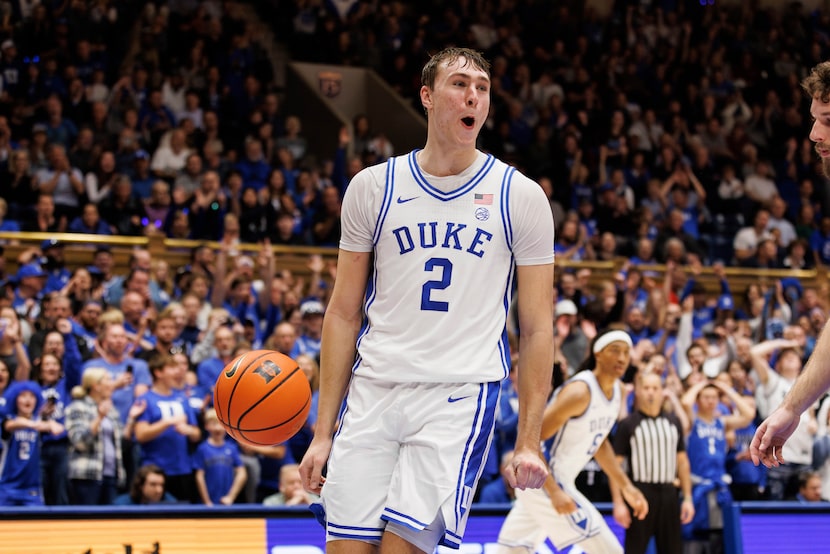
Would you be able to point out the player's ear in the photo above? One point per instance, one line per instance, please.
(426, 97)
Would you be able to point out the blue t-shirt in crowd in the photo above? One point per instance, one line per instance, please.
(124, 397)
(169, 450)
(219, 464)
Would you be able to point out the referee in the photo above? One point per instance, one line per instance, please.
(650, 443)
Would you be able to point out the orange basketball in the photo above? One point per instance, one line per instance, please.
(262, 398)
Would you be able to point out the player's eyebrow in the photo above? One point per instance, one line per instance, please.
(469, 75)
(823, 113)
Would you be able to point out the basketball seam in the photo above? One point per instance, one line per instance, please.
(235, 428)
(269, 393)
(238, 378)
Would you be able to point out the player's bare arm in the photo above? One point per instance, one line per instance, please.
(570, 402)
(535, 286)
(621, 513)
(771, 435)
(607, 460)
(341, 326)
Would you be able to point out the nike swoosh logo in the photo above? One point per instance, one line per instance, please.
(456, 399)
(402, 200)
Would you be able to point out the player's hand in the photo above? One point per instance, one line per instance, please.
(687, 511)
(635, 499)
(529, 470)
(226, 500)
(563, 503)
(311, 468)
(622, 515)
(766, 446)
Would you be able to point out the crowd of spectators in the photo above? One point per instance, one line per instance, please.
(667, 133)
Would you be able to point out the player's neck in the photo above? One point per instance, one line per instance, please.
(439, 161)
(606, 383)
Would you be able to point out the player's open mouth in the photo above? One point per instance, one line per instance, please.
(823, 152)
(468, 122)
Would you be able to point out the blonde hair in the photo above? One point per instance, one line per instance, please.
(314, 379)
(92, 376)
(110, 317)
(210, 415)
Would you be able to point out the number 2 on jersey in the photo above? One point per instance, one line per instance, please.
(435, 265)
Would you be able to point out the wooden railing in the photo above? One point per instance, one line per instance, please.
(79, 250)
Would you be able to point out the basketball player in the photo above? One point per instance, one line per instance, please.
(579, 419)
(415, 331)
(814, 380)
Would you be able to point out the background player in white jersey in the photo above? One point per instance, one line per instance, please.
(415, 330)
(579, 418)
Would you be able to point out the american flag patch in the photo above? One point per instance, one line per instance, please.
(486, 199)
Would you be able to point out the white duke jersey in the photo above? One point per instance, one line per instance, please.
(445, 255)
(580, 437)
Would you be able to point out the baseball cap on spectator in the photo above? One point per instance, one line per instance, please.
(605, 187)
(725, 302)
(792, 288)
(245, 261)
(141, 154)
(312, 307)
(565, 307)
(94, 271)
(39, 128)
(50, 243)
(30, 270)
(8, 43)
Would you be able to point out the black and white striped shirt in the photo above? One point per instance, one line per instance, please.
(650, 445)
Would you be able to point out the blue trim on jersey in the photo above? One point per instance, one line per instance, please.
(480, 436)
(356, 528)
(504, 353)
(450, 541)
(402, 519)
(556, 439)
(388, 189)
(451, 195)
(505, 206)
(504, 212)
(367, 532)
(354, 537)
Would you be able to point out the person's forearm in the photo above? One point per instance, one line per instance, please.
(240, 475)
(536, 363)
(616, 491)
(336, 358)
(684, 474)
(145, 432)
(202, 487)
(607, 460)
(814, 380)
(744, 408)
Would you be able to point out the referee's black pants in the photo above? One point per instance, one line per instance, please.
(662, 521)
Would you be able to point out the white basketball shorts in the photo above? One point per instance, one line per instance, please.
(532, 519)
(405, 453)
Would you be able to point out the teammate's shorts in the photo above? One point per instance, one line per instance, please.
(532, 519)
(405, 453)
